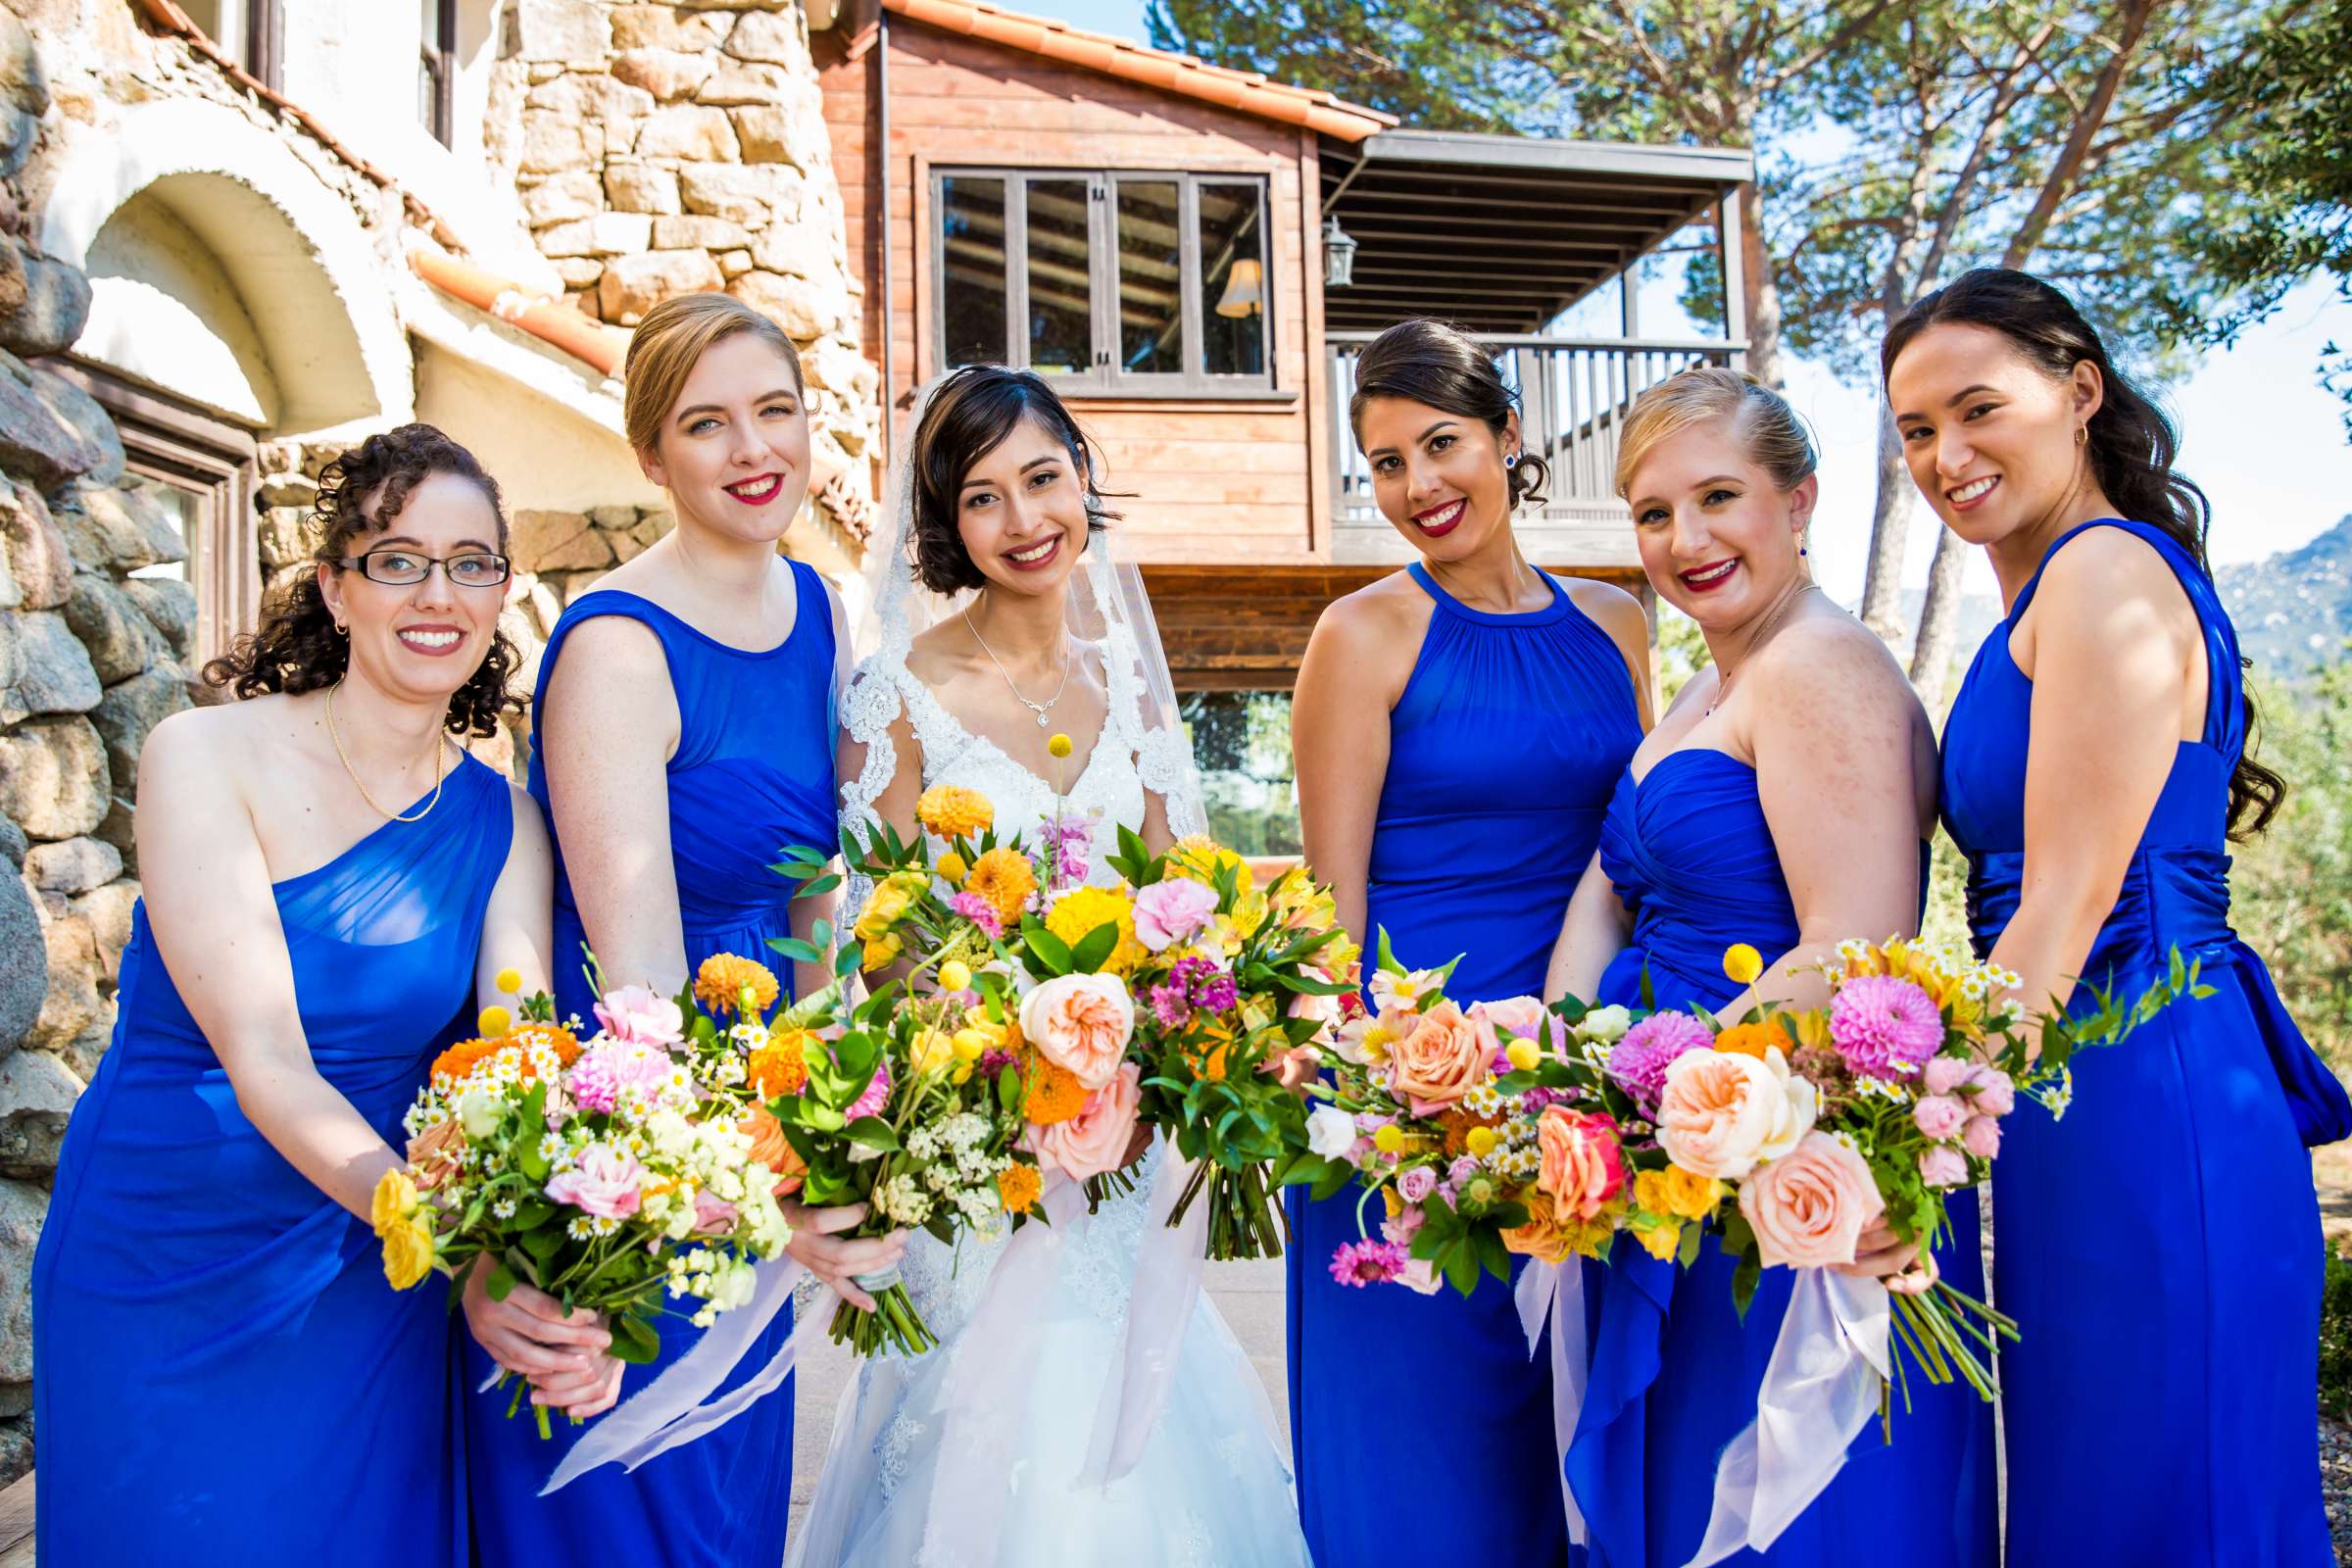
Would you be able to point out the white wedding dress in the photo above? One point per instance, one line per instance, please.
(1212, 1489)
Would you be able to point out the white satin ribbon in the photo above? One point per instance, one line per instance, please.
(987, 1384)
(1556, 1291)
(1820, 1390)
(1168, 1262)
(669, 1410)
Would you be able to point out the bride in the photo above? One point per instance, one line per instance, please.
(1004, 627)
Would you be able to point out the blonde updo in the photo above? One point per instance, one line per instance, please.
(1775, 438)
(669, 343)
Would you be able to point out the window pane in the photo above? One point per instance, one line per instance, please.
(1241, 743)
(1061, 310)
(1233, 280)
(187, 510)
(972, 241)
(1150, 278)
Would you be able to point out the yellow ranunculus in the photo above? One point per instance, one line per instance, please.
(408, 1254)
(881, 950)
(1659, 1241)
(969, 1046)
(395, 1199)
(508, 980)
(1741, 963)
(493, 1023)
(1690, 1196)
(934, 1051)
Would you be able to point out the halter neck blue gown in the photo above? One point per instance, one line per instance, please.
(753, 773)
(221, 1374)
(1502, 749)
(2157, 1247)
(1675, 1369)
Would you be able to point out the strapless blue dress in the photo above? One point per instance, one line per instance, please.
(1675, 1369)
(2159, 1245)
(221, 1375)
(753, 774)
(1503, 749)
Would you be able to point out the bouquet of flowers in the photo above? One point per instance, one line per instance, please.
(1790, 1131)
(610, 1174)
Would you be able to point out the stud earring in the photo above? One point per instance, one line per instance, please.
(1510, 461)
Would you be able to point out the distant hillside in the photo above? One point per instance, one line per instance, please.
(2295, 607)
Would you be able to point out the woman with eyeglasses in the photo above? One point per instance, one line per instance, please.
(330, 883)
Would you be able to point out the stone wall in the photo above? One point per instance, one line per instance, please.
(662, 150)
(91, 658)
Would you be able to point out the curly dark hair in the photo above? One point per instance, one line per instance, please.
(2132, 447)
(969, 415)
(296, 647)
(1439, 365)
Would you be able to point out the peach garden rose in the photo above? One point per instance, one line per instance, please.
(1093, 1142)
(1810, 1206)
(1439, 1059)
(1721, 1113)
(1081, 1022)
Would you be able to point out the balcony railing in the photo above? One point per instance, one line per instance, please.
(1573, 398)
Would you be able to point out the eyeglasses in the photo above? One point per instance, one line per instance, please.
(402, 568)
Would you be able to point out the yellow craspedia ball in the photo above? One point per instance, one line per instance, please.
(508, 980)
(494, 1022)
(1742, 963)
(1524, 1055)
(1058, 746)
(1388, 1140)
(952, 869)
(955, 975)
(1480, 1141)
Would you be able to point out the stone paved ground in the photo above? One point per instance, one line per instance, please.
(1249, 1294)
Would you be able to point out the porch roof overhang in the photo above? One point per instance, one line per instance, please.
(1501, 233)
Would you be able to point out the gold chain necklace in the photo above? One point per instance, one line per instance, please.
(1723, 682)
(440, 768)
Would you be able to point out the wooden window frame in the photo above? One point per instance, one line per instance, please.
(174, 442)
(1106, 379)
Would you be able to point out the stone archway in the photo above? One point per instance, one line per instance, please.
(221, 268)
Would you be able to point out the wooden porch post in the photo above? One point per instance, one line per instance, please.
(1735, 284)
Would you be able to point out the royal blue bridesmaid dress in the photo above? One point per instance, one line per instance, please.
(1675, 1369)
(221, 1375)
(2159, 1244)
(1419, 1424)
(753, 773)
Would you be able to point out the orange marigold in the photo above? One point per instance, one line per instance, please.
(464, 1057)
(723, 978)
(1004, 879)
(1750, 1039)
(781, 1066)
(554, 1036)
(1055, 1094)
(948, 812)
(1018, 1186)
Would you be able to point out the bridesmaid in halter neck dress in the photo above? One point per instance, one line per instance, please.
(1458, 727)
(220, 1373)
(1784, 803)
(2161, 1406)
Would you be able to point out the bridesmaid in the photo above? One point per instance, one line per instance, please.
(1785, 802)
(2160, 1247)
(685, 733)
(329, 882)
(1458, 727)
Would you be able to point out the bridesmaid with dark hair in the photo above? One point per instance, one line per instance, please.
(1458, 727)
(220, 1373)
(2160, 1246)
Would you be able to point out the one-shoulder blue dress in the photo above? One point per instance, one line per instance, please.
(2159, 1244)
(753, 773)
(221, 1375)
(1675, 1369)
(1502, 749)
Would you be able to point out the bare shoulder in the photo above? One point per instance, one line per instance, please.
(1368, 622)
(1613, 611)
(1826, 661)
(2102, 570)
(216, 740)
(618, 654)
(530, 827)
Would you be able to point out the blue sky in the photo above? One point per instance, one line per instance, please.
(2257, 433)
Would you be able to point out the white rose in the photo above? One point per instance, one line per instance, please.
(480, 1111)
(1331, 1132)
(1605, 1025)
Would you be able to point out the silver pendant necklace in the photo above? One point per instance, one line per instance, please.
(1044, 710)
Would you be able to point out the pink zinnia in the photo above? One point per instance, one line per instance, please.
(1361, 1263)
(1885, 1026)
(876, 1095)
(982, 913)
(1639, 1060)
